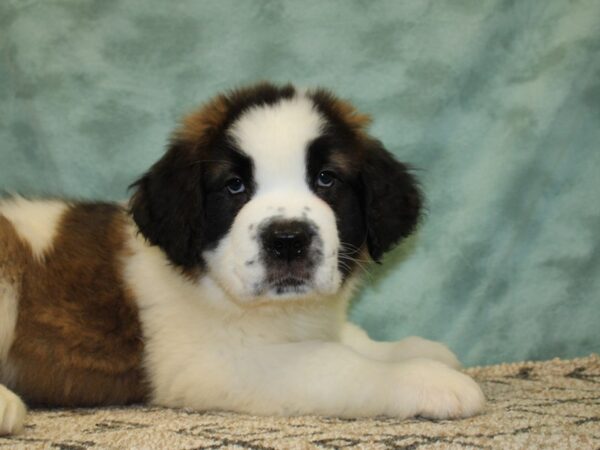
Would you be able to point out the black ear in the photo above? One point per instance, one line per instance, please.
(392, 199)
(167, 206)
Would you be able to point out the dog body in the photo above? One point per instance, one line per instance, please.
(225, 283)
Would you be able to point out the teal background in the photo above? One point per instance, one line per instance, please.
(496, 102)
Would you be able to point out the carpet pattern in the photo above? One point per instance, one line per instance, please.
(552, 404)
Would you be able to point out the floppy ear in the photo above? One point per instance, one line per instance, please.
(167, 206)
(392, 199)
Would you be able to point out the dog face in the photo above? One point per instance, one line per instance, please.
(274, 193)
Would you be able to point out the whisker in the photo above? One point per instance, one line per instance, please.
(353, 255)
(343, 255)
(359, 263)
(348, 246)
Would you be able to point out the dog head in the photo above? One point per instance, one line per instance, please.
(275, 193)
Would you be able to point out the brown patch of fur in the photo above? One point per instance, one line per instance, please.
(207, 118)
(350, 115)
(78, 340)
(344, 162)
(341, 111)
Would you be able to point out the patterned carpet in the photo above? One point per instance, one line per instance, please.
(552, 404)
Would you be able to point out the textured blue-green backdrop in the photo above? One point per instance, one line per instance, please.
(497, 102)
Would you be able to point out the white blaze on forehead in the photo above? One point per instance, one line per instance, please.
(276, 138)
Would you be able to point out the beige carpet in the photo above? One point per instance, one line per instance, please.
(553, 404)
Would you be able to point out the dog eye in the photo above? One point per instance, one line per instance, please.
(326, 179)
(236, 186)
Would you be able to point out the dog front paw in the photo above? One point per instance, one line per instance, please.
(436, 391)
(12, 412)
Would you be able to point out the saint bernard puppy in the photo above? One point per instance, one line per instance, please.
(225, 282)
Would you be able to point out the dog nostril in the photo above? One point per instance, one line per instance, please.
(287, 240)
(288, 245)
(298, 247)
(278, 247)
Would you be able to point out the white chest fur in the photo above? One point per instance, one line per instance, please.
(195, 334)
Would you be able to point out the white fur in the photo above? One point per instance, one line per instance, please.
(213, 343)
(36, 222)
(228, 262)
(8, 318)
(12, 412)
(276, 138)
(408, 348)
(205, 351)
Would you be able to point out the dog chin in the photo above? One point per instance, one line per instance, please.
(287, 293)
(282, 290)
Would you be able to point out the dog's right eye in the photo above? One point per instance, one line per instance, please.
(236, 186)
(326, 179)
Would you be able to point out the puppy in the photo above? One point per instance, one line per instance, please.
(225, 283)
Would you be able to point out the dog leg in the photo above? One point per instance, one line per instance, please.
(410, 347)
(327, 378)
(12, 412)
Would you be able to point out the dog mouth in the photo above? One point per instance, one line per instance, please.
(289, 285)
(284, 285)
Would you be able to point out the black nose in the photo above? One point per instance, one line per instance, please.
(287, 240)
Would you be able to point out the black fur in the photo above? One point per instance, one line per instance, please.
(168, 206)
(344, 197)
(389, 194)
(375, 198)
(182, 204)
(392, 199)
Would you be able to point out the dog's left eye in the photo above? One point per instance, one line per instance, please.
(236, 186)
(326, 179)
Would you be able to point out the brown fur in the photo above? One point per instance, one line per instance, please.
(344, 162)
(199, 123)
(78, 337)
(341, 111)
(349, 114)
